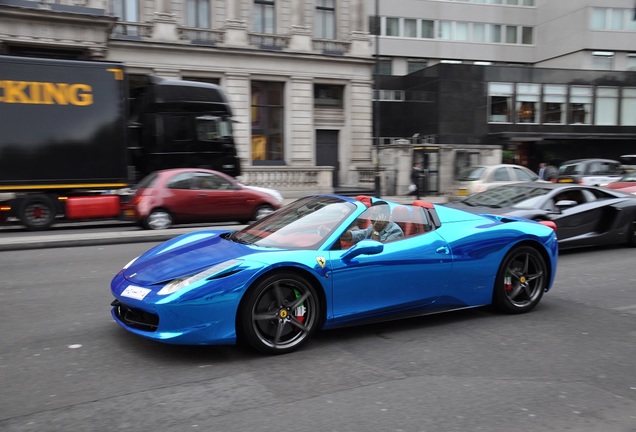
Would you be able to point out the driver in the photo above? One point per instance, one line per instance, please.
(381, 228)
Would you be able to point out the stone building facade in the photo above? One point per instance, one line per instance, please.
(298, 73)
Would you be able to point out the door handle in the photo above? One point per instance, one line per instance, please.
(442, 250)
(201, 195)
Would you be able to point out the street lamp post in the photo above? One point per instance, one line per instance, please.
(376, 100)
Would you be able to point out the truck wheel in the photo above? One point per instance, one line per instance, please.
(158, 219)
(37, 212)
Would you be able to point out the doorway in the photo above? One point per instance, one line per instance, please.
(327, 151)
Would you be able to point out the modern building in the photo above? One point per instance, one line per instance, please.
(541, 80)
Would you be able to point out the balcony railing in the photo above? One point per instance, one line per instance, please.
(292, 182)
(269, 41)
(131, 30)
(201, 36)
(330, 46)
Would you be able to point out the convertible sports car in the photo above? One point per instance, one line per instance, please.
(584, 215)
(274, 283)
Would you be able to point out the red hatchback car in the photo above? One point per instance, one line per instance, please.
(186, 195)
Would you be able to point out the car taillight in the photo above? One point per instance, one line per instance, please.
(549, 224)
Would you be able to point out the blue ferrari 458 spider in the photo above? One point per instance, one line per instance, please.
(328, 261)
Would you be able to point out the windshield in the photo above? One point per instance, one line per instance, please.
(572, 169)
(508, 196)
(305, 223)
(212, 128)
(471, 174)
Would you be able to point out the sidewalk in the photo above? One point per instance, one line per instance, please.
(55, 240)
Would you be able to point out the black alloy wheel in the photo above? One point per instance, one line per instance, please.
(521, 280)
(280, 314)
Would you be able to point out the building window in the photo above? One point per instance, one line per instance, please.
(445, 30)
(416, 64)
(479, 32)
(528, 2)
(598, 17)
(389, 95)
(197, 13)
(527, 35)
(500, 102)
(461, 31)
(631, 62)
(495, 33)
(628, 107)
(126, 10)
(328, 96)
(410, 28)
(325, 19)
(427, 28)
(617, 20)
(267, 123)
(383, 67)
(264, 16)
(580, 105)
(528, 98)
(602, 60)
(392, 27)
(554, 99)
(511, 34)
(606, 106)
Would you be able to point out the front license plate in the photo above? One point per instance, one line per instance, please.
(135, 292)
(463, 192)
(129, 213)
(565, 181)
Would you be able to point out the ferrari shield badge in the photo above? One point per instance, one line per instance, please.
(321, 261)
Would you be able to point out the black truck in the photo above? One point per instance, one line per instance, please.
(75, 134)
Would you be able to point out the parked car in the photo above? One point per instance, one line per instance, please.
(584, 215)
(186, 195)
(593, 172)
(479, 178)
(272, 284)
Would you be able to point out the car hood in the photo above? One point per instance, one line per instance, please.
(185, 255)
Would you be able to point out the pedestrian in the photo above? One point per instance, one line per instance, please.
(416, 177)
(542, 171)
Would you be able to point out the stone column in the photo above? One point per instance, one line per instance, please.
(165, 23)
(300, 34)
(360, 39)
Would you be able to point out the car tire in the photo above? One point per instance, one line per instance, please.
(521, 280)
(158, 219)
(279, 314)
(37, 212)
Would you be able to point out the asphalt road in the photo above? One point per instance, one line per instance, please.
(569, 365)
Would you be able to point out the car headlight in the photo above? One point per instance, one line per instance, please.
(183, 282)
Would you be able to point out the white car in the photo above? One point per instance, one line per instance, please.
(479, 178)
(590, 172)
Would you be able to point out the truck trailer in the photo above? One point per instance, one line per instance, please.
(76, 135)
